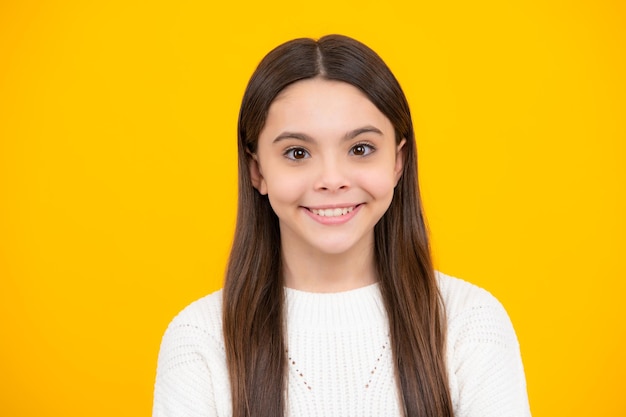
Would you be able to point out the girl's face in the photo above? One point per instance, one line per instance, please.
(328, 160)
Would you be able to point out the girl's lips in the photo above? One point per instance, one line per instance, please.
(333, 216)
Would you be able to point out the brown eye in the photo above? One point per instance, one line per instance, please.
(361, 149)
(296, 153)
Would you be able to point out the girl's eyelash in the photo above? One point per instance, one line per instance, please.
(296, 153)
(369, 148)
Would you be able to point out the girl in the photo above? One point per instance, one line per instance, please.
(331, 306)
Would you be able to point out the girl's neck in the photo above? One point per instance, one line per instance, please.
(323, 272)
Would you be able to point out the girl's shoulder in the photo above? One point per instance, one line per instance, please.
(197, 327)
(485, 370)
(459, 295)
(204, 314)
(191, 367)
(474, 314)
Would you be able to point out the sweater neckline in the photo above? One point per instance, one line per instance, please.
(339, 311)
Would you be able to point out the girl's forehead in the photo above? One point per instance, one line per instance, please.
(323, 101)
(312, 88)
(321, 109)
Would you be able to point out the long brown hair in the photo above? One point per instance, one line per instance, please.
(253, 293)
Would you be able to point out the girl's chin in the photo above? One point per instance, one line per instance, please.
(332, 249)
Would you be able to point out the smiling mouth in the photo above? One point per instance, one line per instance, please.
(332, 212)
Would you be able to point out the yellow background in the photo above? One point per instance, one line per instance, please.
(118, 176)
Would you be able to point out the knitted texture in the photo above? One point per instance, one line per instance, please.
(340, 360)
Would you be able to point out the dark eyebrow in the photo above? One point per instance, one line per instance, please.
(306, 138)
(361, 130)
(293, 135)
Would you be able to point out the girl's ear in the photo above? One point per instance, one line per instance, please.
(256, 176)
(399, 160)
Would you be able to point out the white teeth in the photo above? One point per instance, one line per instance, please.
(333, 212)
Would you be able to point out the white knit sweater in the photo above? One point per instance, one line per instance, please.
(339, 357)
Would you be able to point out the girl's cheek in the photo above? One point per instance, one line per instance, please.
(379, 182)
(286, 185)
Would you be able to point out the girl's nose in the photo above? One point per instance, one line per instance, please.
(332, 176)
